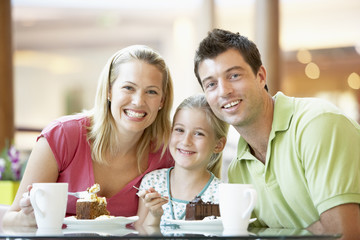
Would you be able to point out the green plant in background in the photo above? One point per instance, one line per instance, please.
(10, 164)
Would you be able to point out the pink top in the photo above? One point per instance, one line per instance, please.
(67, 139)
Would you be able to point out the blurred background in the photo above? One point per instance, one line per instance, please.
(60, 46)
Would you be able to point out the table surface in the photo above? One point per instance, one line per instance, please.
(163, 232)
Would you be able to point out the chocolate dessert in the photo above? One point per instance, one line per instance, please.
(198, 210)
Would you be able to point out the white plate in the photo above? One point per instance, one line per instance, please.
(206, 223)
(98, 231)
(167, 231)
(73, 222)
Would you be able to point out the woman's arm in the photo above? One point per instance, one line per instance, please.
(41, 167)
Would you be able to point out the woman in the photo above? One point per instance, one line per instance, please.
(115, 144)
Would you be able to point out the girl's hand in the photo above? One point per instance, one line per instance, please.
(153, 201)
(25, 204)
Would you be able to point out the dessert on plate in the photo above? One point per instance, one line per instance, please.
(198, 210)
(91, 206)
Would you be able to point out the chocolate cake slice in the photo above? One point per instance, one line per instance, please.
(198, 210)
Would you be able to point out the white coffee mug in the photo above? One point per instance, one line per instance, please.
(49, 201)
(236, 202)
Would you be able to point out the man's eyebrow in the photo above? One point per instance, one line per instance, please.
(226, 71)
(234, 68)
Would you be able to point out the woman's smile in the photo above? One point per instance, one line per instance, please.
(134, 114)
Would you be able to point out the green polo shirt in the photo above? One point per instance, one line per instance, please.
(312, 163)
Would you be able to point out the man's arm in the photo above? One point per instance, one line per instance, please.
(331, 158)
(344, 219)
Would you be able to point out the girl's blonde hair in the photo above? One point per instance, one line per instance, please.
(102, 131)
(220, 127)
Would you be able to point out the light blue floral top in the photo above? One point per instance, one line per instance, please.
(175, 209)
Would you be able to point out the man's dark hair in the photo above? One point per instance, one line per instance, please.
(219, 41)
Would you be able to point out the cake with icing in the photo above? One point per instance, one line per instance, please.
(91, 206)
(198, 210)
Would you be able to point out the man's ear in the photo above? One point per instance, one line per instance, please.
(220, 145)
(262, 75)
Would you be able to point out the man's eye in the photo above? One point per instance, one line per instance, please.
(210, 85)
(235, 75)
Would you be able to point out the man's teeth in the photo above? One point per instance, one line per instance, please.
(134, 114)
(232, 104)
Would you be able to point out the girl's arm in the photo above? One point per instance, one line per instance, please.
(41, 167)
(150, 207)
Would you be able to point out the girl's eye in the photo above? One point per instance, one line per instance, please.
(199, 134)
(180, 130)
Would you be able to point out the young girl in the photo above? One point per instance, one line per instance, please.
(197, 140)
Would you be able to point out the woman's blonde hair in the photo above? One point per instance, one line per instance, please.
(220, 127)
(102, 131)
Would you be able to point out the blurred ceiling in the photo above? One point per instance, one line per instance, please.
(60, 23)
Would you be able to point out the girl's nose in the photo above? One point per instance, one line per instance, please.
(187, 141)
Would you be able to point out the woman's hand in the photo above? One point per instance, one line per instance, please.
(41, 167)
(25, 204)
(153, 201)
(24, 215)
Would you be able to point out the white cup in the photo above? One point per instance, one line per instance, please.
(236, 202)
(49, 201)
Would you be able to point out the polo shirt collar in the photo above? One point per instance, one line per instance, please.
(283, 112)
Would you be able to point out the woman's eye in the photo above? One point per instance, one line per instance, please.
(153, 92)
(128, 87)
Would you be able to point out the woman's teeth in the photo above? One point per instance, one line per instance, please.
(134, 114)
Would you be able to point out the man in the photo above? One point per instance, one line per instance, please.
(302, 155)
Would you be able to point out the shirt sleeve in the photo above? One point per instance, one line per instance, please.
(63, 139)
(329, 148)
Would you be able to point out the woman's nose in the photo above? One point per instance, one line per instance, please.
(138, 99)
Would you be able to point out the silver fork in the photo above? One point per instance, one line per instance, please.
(168, 199)
(81, 194)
